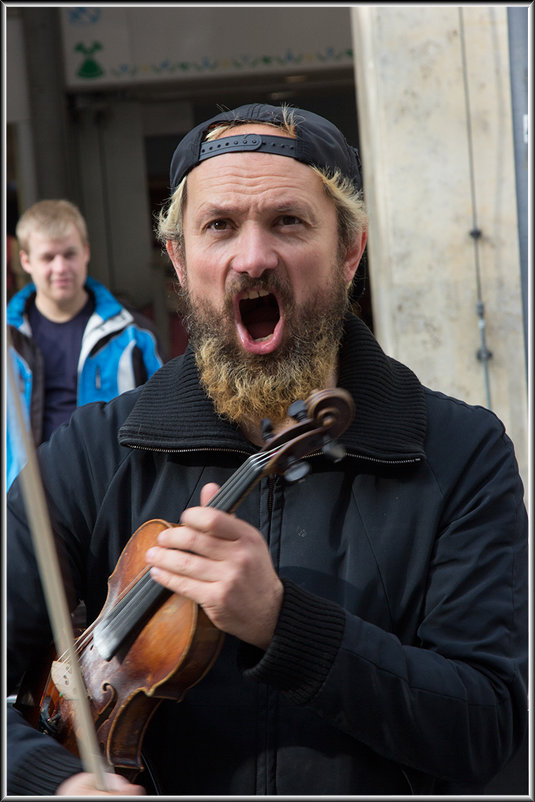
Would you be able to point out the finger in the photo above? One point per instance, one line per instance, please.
(193, 539)
(175, 562)
(211, 521)
(117, 784)
(84, 784)
(208, 492)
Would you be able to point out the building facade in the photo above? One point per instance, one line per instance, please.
(97, 98)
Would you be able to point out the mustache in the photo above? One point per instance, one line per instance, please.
(269, 281)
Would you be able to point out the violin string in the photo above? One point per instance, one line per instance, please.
(80, 643)
(226, 497)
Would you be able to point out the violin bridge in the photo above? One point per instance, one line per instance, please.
(63, 679)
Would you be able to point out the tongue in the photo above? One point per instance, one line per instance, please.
(260, 329)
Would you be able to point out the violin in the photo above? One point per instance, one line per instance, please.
(149, 644)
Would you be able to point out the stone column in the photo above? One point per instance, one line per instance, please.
(433, 93)
(53, 166)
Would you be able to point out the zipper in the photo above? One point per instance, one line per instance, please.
(269, 709)
(379, 460)
(271, 493)
(386, 461)
(189, 450)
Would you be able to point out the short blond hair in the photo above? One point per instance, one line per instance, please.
(53, 218)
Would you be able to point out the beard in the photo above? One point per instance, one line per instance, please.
(245, 387)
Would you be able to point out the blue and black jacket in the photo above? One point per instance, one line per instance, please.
(119, 351)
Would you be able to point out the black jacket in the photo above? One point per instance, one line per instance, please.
(399, 661)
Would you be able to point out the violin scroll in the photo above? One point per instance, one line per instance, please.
(320, 420)
(333, 409)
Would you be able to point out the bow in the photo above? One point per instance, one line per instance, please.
(49, 569)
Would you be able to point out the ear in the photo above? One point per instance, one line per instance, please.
(176, 258)
(354, 255)
(25, 262)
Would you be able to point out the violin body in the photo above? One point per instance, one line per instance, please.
(163, 657)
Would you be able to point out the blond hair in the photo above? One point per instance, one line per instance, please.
(53, 218)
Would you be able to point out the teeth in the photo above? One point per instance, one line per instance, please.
(252, 294)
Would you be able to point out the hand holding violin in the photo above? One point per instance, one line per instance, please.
(83, 784)
(222, 564)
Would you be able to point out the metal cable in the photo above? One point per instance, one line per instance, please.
(483, 354)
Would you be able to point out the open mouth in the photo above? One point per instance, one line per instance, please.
(259, 312)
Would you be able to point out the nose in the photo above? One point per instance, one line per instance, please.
(255, 251)
(59, 263)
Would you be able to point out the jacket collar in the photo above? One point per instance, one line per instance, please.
(106, 305)
(18, 305)
(172, 412)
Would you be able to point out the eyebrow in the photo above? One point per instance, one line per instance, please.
(297, 208)
(46, 253)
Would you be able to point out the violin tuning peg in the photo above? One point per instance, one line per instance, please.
(334, 451)
(298, 410)
(267, 429)
(296, 471)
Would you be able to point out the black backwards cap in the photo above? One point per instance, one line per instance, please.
(318, 142)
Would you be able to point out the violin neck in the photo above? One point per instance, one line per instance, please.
(231, 494)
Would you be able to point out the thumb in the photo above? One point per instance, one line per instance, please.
(208, 492)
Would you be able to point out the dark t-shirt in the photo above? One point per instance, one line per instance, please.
(60, 344)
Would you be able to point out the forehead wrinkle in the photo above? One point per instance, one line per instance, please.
(265, 172)
(271, 201)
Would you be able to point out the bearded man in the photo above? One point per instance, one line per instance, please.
(374, 615)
